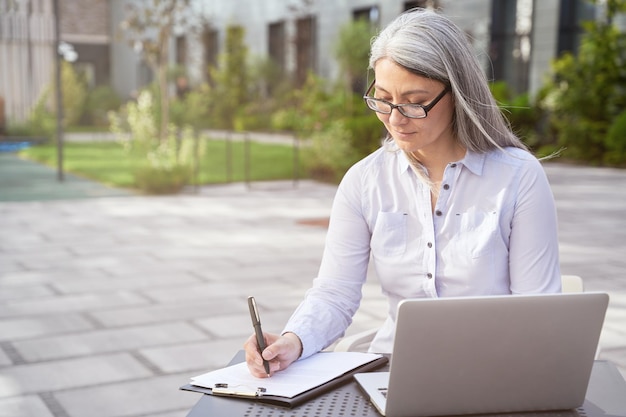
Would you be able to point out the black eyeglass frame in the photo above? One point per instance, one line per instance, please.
(399, 107)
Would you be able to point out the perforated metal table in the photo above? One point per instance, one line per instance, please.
(606, 396)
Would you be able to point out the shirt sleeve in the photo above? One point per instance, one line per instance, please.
(534, 248)
(328, 307)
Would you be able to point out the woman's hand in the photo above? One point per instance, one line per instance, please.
(281, 351)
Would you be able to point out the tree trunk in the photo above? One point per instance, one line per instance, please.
(163, 87)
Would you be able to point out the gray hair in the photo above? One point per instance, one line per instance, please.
(429, 44)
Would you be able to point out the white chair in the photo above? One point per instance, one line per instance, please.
(360, 341)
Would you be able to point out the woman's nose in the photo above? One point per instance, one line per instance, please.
(397, 118)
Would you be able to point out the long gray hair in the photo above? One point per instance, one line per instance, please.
(427, 43)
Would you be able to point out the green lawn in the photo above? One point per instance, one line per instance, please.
(106, 162)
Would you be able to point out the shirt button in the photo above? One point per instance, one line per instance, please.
(446, 187)
(429, 275)
(438, 213)
(453, 165)
(430, 244)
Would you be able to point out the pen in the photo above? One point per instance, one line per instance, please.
(256, 322)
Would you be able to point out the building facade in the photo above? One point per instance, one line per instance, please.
(28, 44)
(26, 54)
(515, 39)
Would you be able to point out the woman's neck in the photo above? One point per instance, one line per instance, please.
(435, 161)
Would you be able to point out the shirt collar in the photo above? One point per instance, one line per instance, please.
(403, 162)
(473, 161)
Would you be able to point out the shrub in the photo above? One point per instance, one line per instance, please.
(523, 115)
(366, 133)
(330, 154)
(98, 103)
(41, 121)
(42, 118)
(167, 165)
(74, 94)
(588, 91)
(616, 141)
(193, 108)
(230, 79)
(340, 127)
(352, 49)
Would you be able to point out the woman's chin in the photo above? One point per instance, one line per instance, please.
(404, 143)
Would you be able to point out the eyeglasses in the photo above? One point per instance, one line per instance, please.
(412, 111)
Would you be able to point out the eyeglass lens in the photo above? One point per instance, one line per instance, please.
(407, 110)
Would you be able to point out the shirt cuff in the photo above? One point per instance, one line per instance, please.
(306, 340)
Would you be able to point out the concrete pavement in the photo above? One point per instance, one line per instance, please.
(110, 301)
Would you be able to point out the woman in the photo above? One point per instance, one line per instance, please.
(451, 205)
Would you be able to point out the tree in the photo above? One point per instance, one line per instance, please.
(588, 91)
(352, 52)
(149, 26)
(231, 79)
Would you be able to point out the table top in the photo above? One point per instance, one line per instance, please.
(606, 396)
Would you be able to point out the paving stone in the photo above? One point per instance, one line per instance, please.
(239, 325)
(133, 398)
(164, 312)
(108, 340)
(72, 303)
(145, 265)
(228, 287)
(614, 330)
(10, 265)
(196, 358)
(33, 277)
(128, 282)
(47, 259)
(70, 373)
(30, 291)
(23, 328)
(4, 361)
(129, 269)
(24, 405)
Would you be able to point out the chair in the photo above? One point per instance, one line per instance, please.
(360, 341)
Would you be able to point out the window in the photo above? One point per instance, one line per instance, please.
(276, 45)
(369, 14)
(181, 50)
(305, 48)
(510, 51)
(571, 14)
(182, 83)
(408, 5)
(211, 49)
(356, 78)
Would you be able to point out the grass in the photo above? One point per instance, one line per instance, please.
(108, 163)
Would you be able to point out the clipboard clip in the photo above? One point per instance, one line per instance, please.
(237, 391)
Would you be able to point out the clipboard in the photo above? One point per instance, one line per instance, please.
(257, 394)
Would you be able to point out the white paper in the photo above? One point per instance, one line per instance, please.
(299, 377)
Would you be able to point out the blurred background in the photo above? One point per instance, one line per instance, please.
(159, 78)
(243, 115)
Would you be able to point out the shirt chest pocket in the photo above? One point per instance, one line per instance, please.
(477, 232)
(389, 237)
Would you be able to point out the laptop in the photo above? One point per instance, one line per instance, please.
(495, 354)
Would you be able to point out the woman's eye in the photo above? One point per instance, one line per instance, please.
(416, 101)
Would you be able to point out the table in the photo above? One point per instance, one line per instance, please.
(606, 396)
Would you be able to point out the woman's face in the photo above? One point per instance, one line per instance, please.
(399, 86)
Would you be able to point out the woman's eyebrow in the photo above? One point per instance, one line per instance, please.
(404, 93)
